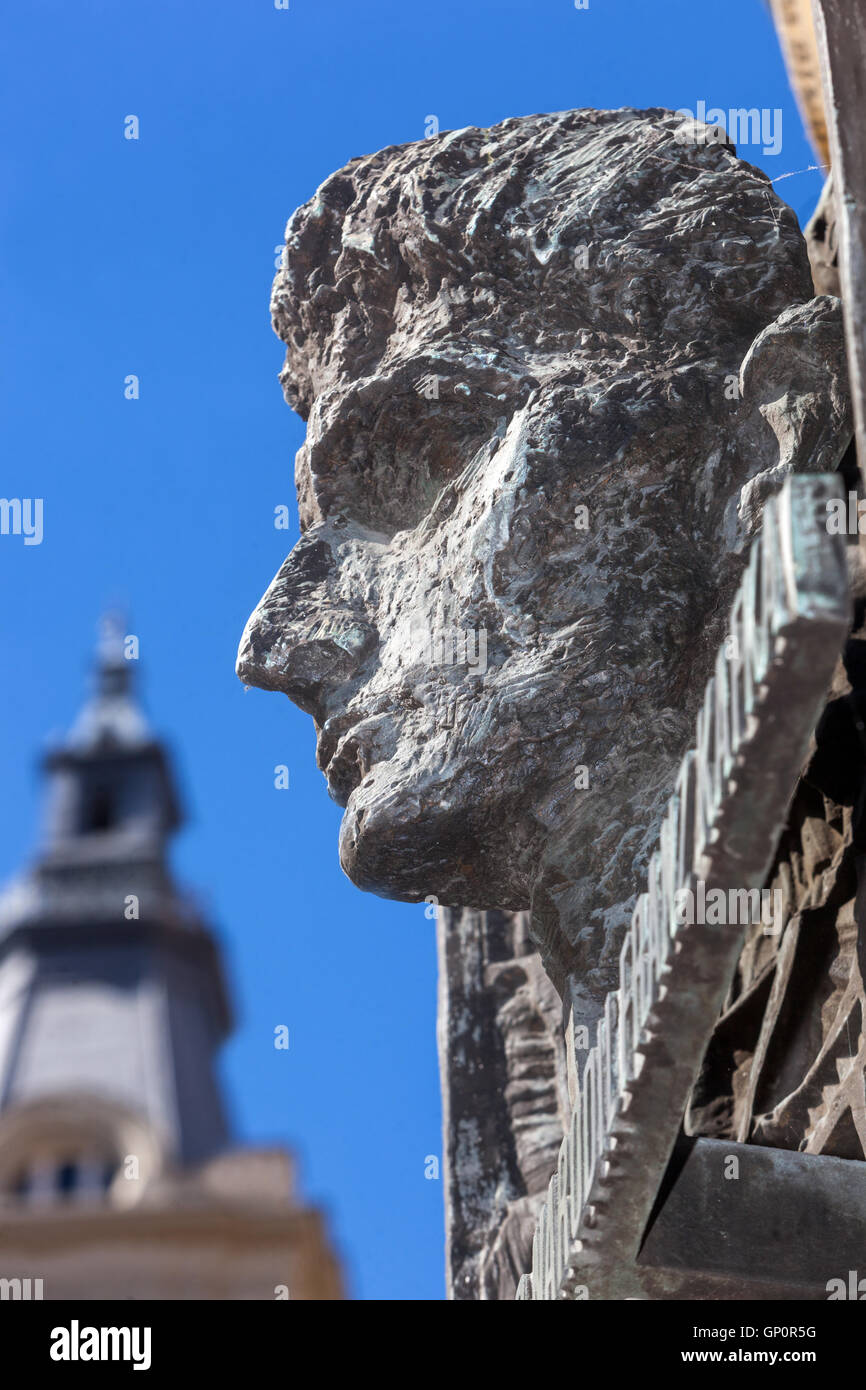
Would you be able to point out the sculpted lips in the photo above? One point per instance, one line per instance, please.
(347, 749)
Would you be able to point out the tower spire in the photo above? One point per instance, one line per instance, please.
(113, 1008)
(108, 928)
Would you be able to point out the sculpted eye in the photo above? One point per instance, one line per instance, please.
(385, 462)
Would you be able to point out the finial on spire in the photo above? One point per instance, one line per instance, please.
(113, 674)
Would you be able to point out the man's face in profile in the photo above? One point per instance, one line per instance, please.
(521, 490)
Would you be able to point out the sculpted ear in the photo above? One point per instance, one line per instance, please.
(794, 388)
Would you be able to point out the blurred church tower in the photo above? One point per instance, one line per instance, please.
(118, 1178)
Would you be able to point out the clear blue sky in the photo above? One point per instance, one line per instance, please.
(155, 257)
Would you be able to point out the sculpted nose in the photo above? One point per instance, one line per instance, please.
(302, 638)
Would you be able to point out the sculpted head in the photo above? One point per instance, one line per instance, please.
(549, 372)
